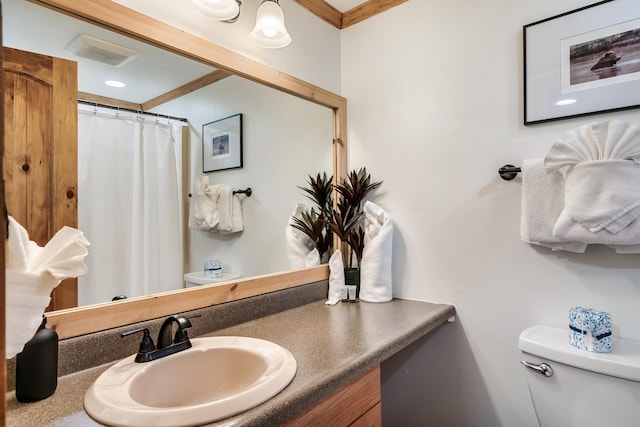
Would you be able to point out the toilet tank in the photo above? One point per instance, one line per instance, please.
(585, 388)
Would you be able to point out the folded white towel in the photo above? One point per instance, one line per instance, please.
(544, 224)
(337, 288)
(626, 249)
(236, 214)
(214, 207)
(299, 245)
(603, 195)
(625, 241)
(375, 267)
(225, 209)
(230, 212)
(32, 272)
(609, 140)
(541, 204)
(203, 211)
(599, 162)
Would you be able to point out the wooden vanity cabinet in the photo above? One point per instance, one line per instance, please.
(357, 404)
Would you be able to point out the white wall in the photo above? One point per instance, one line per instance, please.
(435, 108)
(285, 139)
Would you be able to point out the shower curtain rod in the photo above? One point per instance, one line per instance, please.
(157, 115)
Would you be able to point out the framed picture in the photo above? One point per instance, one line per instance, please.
(582, 62)
(222, 144)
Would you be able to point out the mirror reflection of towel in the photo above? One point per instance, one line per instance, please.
(229, 211)
(214, 208)
(203, 211)
(299, 245)
(32, 272)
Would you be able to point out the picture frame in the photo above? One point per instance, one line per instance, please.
(222, 144)
(562, 78)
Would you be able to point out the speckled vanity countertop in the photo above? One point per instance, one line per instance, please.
(332, 346)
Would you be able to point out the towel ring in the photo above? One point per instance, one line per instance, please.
(508, 172)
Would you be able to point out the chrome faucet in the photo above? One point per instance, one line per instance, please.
(167, 342)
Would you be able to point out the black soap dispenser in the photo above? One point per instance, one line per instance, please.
(37, 366)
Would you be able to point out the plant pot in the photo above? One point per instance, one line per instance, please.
(352, 278)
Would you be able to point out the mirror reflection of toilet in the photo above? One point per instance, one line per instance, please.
(198, 278)
(571, 387)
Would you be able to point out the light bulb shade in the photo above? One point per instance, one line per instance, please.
(222, 10)
(269, 31)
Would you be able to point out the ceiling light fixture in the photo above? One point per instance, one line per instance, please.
(269, 31)
(222, 10)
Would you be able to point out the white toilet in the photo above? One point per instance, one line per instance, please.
(572, 387)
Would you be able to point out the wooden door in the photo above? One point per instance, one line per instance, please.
(3, 236)
(40, 153)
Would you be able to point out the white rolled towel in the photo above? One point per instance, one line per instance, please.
(337, 288)
(375, 267)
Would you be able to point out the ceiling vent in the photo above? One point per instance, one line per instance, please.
(98, 50)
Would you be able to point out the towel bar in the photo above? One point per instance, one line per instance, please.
(508, 172)
(246, 191)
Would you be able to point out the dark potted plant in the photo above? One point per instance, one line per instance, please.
(346, 220)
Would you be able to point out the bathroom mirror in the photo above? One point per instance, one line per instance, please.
(153, 72)
(132, 24)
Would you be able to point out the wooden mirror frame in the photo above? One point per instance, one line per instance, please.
(105, 13)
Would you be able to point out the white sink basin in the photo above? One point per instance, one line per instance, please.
(216, 378)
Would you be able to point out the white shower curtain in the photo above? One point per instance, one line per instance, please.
(128, 207)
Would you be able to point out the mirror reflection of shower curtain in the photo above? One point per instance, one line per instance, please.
(128, 206)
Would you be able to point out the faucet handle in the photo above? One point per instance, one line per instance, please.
(146, 345)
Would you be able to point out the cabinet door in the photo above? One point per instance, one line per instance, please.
(40, 161)
(357, 404)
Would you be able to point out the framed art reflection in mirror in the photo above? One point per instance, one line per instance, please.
(222, 144)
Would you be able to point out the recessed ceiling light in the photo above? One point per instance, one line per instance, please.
(114, 83)
(566, 102)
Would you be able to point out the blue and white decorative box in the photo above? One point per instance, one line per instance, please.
(590, 329)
